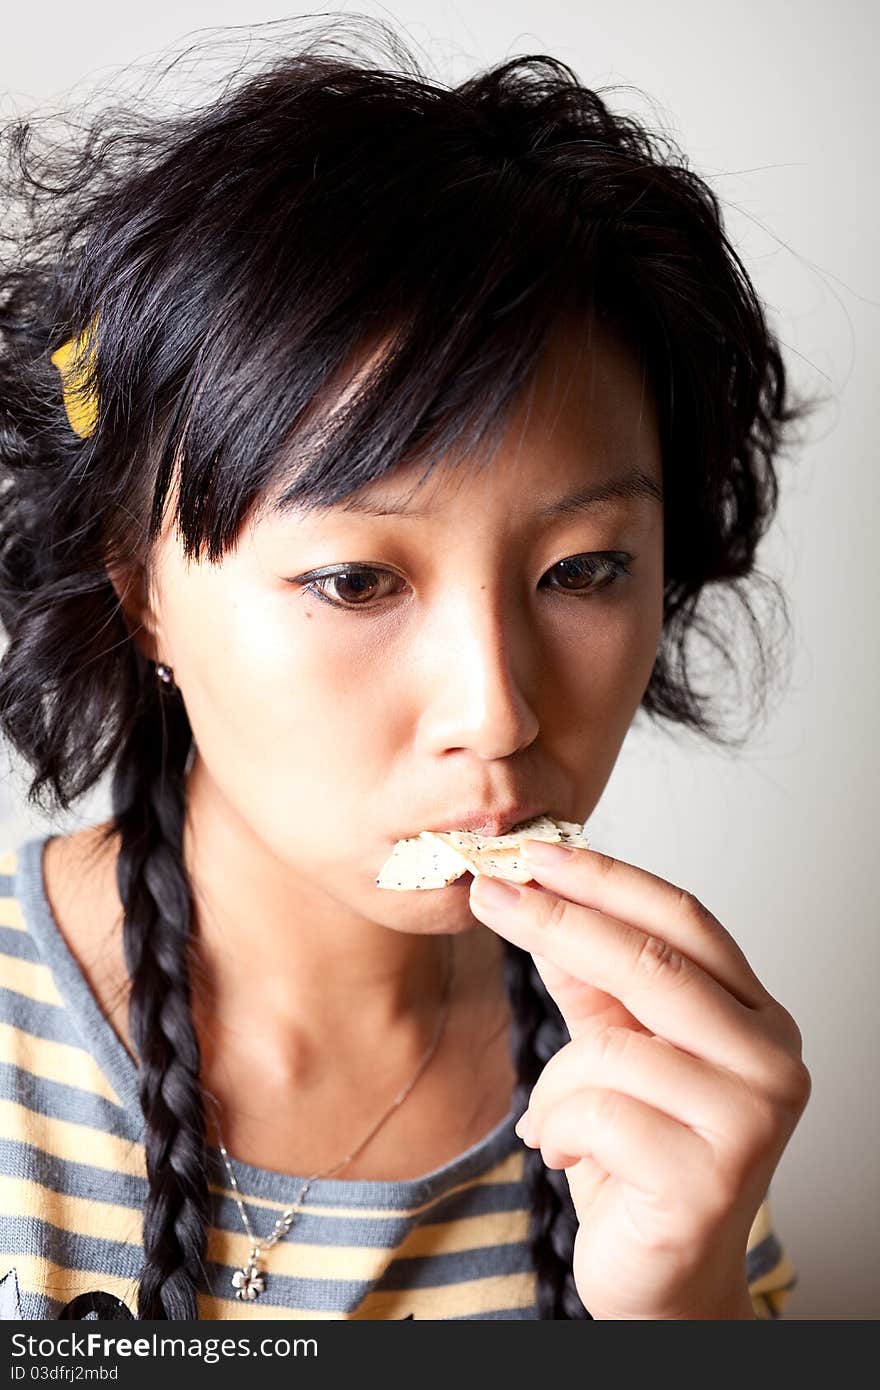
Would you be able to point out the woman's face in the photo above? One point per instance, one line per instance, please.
(482, 654)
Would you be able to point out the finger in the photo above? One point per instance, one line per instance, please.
(581, 1005)
(710, 1101)
(630, 1140)
(666, 991)
(597, 880)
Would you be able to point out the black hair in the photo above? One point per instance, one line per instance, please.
(238, 255)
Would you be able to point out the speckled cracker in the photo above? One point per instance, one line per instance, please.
(416, 863)
(435, 858)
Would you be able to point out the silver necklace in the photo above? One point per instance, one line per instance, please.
(250, 1281)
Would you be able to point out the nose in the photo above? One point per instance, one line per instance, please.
(485, 671)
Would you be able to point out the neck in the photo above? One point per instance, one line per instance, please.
(287, 978)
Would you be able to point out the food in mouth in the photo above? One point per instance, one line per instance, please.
(436, 858)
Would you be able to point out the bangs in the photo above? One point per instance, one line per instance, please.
(446, 295)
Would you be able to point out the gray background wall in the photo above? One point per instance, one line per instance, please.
(775, 105)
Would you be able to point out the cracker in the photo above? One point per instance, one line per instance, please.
(417, 863)
(436, 858)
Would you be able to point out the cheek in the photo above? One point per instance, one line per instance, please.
(287, 715)
(605, 662)
(633, 637)
(641, 635)
(602, 678)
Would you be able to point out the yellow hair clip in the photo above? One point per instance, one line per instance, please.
(70, 359)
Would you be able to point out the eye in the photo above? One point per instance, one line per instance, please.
(607, 569)
(359, 579)
(601, 571)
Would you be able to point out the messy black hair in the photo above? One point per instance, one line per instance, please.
(239, 255)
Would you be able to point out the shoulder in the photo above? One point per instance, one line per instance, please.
(64, 898)
(16, 943)
(79, 875)
(71, 876)
(34, 1023)
(79, 880)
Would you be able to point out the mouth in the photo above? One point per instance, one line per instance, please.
(497, 822)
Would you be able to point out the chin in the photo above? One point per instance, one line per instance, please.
(431, 911)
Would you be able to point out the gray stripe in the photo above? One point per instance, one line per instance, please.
(25, 1235)
(14, 942)
(323, 1295)
(499, 1315)
(123, 1261)
(49, 1309)
(39, 1019)
(481, 1262)
(30, 1164)
(127, 1190)
(58, 1101)
(763, 1257)
(484, 1199)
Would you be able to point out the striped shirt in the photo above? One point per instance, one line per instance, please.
(450, 1244)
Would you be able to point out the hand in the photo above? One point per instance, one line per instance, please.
(671, 1106)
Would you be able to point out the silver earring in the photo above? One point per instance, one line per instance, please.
(165, 673)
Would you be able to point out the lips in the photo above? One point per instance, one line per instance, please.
(489, 822)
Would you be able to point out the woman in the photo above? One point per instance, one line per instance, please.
(368, 447)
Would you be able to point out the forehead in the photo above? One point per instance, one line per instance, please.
(588, 408)
(584, 425)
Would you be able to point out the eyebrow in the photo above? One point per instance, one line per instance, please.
(634, 484)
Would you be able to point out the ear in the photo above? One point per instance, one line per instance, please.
(139, 607)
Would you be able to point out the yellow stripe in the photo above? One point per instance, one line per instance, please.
(508, 1170)
(782, 1273)
(30, 978)
(76, 1215)
(468, 1233)
(770, 1305)
(9, 861)
(762, 1225)
(11, 914)
(56, 1061)
(213, 1309)
(778, 1298)
(74, 1142)
(470, 1297)
(296, 1260)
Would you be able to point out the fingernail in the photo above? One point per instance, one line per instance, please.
(545, 851)
(493, 892)
(525, 1128)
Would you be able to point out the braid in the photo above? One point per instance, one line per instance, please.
(149, 806)
(538, 1031)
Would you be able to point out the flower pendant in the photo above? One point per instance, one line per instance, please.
(248, 1282)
